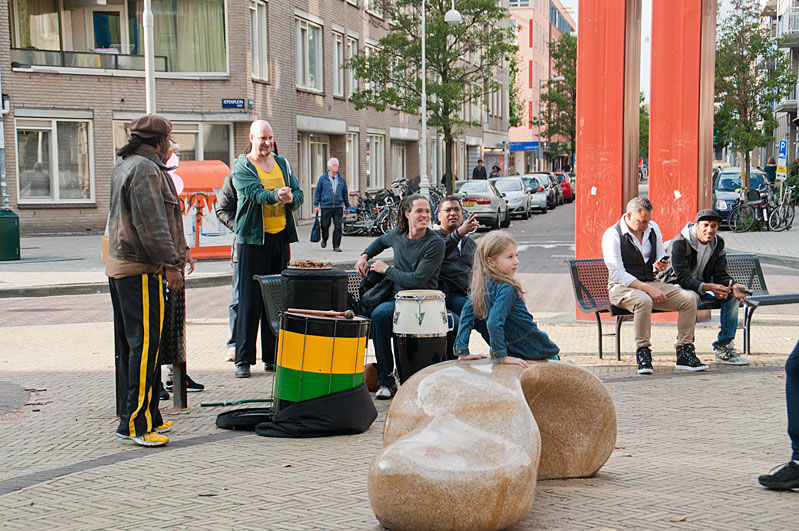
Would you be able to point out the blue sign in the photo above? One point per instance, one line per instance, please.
(232, 103)
(783, 154)
(523, 146)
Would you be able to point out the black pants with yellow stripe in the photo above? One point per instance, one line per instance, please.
(138, 303)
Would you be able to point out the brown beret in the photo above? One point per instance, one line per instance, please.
(150, 125)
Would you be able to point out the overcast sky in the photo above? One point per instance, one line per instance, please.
(646, 32)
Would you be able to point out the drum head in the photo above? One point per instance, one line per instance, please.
(309, 264)
(414, 294)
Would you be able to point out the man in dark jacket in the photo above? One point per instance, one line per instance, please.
(479, 171)
(226, 205)
(147, 254)
(699, 264)
(268, 193)
(331, 197)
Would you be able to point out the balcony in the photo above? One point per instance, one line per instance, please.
(25, 57)
(788, 104)
(788, 27)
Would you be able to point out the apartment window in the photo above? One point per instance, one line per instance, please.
(375, 162)
(368, 52)
(338, 64)
(352, 51)
(398, 160)
(54, 161)
(309, 55)
(375, 7)
(198, 140)
(259, 41)
(353, 162)
(353, 2)
(36, 24)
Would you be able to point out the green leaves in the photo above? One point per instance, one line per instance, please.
(560, 98)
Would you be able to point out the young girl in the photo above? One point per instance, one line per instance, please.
(497, 296)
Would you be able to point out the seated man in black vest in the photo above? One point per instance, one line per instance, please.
(633, 251)
(456, 269)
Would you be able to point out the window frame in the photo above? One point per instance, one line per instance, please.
(186, 127)
(338, 64)
(320, 73)
(55, 189)
(263, 62)
(353, 160)
(351, 50)
(380, 164)
(375, 8)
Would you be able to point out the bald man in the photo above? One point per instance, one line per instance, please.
(268, 192)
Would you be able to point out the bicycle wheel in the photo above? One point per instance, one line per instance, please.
(742, 218)
(353, 227)
(781, 218)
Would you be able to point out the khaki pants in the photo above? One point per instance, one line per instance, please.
(641, 306)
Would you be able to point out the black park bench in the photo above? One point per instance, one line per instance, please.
(590, 283)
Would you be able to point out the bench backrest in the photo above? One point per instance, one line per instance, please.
(590, 279)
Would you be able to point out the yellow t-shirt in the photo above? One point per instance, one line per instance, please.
(274, 215)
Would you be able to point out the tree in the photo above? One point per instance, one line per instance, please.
(752, 75)
(515, 107)
(643, 128)
(464, 63)
(560, 97)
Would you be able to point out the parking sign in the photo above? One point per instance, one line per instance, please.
(782, 160)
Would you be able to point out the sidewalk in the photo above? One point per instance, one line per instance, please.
(68, 265)
(779, 248)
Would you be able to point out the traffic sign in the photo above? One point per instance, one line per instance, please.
(782, 160)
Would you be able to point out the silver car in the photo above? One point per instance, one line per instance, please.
(516, 196)
(483, 198)
(536, 186)
(551, 187)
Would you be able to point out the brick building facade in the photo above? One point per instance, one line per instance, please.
(72, 73)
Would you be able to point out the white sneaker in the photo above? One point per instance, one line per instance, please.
(728, 355)
(385, 393)
(231, 354)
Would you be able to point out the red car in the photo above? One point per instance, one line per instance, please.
(565, 184)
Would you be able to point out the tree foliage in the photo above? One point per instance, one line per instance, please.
(752, 75)
(464, 63)
(643, 128)
(560, 98)
(515, 107)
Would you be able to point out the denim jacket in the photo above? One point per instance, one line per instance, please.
(511, 327)
(324, 196)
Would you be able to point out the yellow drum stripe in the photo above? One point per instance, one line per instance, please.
(348, 358)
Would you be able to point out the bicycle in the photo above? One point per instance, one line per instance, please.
(742, 216)
(781, 218)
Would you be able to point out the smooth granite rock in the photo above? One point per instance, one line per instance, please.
(575, 415)
(460, 450)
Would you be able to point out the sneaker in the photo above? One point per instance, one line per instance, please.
(386, 393)
(163, 428)
(644, 357)
(785, 478)
(191, 385)
(269, 367)
(243, 370)
(231, 354)
(162, 394)
(728, 355)
(687, 360)
(148, 439)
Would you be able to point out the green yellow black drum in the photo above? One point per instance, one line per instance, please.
(317, 356)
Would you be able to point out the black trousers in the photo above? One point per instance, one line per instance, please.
(138, 303)
(268, 259)
(333, 214)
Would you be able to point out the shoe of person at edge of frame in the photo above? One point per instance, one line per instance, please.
(191, 385)
(231, 354)
(148, 439)
(687, 360)
(243, 370)
(785, 478)
(644, 357)
(728, 355)
(164, 428)
(162, 393)
(386, 392)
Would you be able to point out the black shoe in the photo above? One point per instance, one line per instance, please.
(191, 385)
(269, 367)
(644, 357)
(785, 478)
(687, 360)
(243, 370)
(162, 394)
(324, 244)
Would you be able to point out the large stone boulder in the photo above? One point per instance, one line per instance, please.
(576, 418)
(460, 451)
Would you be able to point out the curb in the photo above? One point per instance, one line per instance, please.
(785, 261)
(91, 288)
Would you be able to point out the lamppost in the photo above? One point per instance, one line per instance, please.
(453, 18)
(539, 151)
(149, 57)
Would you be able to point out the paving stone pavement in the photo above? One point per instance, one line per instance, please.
(690, 445)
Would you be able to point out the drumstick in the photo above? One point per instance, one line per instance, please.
(349, 314)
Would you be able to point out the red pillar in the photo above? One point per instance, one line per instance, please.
(681, 111)
(608, 66)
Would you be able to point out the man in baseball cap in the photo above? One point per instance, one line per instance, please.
(699, 264)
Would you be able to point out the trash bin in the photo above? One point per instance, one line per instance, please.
(9, 235)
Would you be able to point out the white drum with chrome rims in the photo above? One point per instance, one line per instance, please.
(420, 313)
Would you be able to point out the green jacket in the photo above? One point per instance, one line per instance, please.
(252, 197)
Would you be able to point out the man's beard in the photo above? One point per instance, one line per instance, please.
(265, 153)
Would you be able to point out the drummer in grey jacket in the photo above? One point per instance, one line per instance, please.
(699, 264)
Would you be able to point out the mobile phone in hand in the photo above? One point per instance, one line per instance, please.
(664, 258)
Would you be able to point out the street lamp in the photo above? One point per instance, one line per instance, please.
(452, 18)
(149, 57)
(539, 151)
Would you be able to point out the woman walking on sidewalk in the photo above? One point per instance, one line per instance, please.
(331, 197)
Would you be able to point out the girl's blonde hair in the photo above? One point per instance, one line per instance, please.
(491, 246)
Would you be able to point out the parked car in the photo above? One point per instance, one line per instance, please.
(727, 181)
(483, 198)
(566, 184)
(552, 187)
(558, 189)
(536, 186)
(516, 196)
